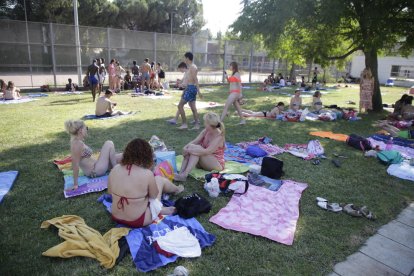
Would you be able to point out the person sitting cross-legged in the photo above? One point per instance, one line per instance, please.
(105, 107)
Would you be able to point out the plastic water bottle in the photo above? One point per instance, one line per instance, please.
(389, 144)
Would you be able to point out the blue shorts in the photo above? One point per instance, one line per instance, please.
(145, 76)
(190, 93)
(93, 80)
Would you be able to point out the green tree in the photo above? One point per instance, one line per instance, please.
(335, 28)
(143, 15)
(155, 16)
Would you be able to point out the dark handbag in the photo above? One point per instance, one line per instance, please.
(359, 142)
(272, 167)
(192, 205)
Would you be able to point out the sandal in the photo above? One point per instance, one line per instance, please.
(351, 210)
(367, 213)
(333, 207)
(336, 163)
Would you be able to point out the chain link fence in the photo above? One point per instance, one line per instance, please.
(45, 53)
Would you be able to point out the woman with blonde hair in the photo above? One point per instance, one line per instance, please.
(207, 150)
(235, 92)
(81, 154)
(366, 90)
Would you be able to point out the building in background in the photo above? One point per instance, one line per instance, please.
(400, 69)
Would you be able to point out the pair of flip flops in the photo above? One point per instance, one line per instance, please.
(349, 209)
(354, 211)
(324, 204)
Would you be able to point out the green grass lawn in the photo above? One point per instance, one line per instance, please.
(33, 135)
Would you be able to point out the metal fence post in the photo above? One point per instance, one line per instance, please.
(224, 59)
(155, 47)
(251, 62)
(52, 50)
(193, 44)
(108, 44)
(77, 41)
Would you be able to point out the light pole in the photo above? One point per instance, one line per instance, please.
(28, 44)
(171, 20)
(77, 41)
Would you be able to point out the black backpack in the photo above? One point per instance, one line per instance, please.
(359, 142)
(272, 167)
(192, 205)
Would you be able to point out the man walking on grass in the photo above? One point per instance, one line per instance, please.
(92, 76)
(190, 93)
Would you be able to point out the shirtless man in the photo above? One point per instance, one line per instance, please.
(135, 74)
(145, 70)
(190, 93)
(105, 107)
(92, 76)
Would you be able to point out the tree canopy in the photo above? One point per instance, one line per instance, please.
(142, 15)
(328, 30)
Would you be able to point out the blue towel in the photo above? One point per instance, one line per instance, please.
(94, 117)
(37, 95)
(396, 140)
(6, 182)
(140, 240)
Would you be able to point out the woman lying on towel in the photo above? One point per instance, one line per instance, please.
(12, 92)
(316, 102)
(82, 154)
(277, 110)
(296, 101)
(136, 193)
(207, 150)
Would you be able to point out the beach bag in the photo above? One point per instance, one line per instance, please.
(272, 167)
(255, 151)
(358, 142)
(169, 156)
(192, 205)
(389, 157)
(225, 180)
(164, 169)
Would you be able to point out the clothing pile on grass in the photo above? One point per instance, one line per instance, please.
(395, 152)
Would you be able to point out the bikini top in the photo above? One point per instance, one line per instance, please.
(219, 151)
(87, 152)
(123, 199)
(235, 82)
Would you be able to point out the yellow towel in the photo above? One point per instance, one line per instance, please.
(82, 240)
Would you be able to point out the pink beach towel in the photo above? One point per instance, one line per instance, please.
(265, 213)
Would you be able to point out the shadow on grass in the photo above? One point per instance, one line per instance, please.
(322, 237)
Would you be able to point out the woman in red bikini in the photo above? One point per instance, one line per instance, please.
(207, 150)
(132, 184)
(235, 92)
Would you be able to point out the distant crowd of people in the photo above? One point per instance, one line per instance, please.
(149, 75)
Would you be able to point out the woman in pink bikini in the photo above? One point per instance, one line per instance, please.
(132, 185)
(207, 150)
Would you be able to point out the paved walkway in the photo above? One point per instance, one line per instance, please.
(389, 252)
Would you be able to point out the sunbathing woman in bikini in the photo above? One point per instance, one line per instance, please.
(277, 110)
(82, 154)
(132, 184)
(316, 102)
(296, 101)
(207, 150)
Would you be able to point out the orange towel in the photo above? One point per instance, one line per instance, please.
(330, 135)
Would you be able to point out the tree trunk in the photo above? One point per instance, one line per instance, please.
(371, 62)
(292, 72)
